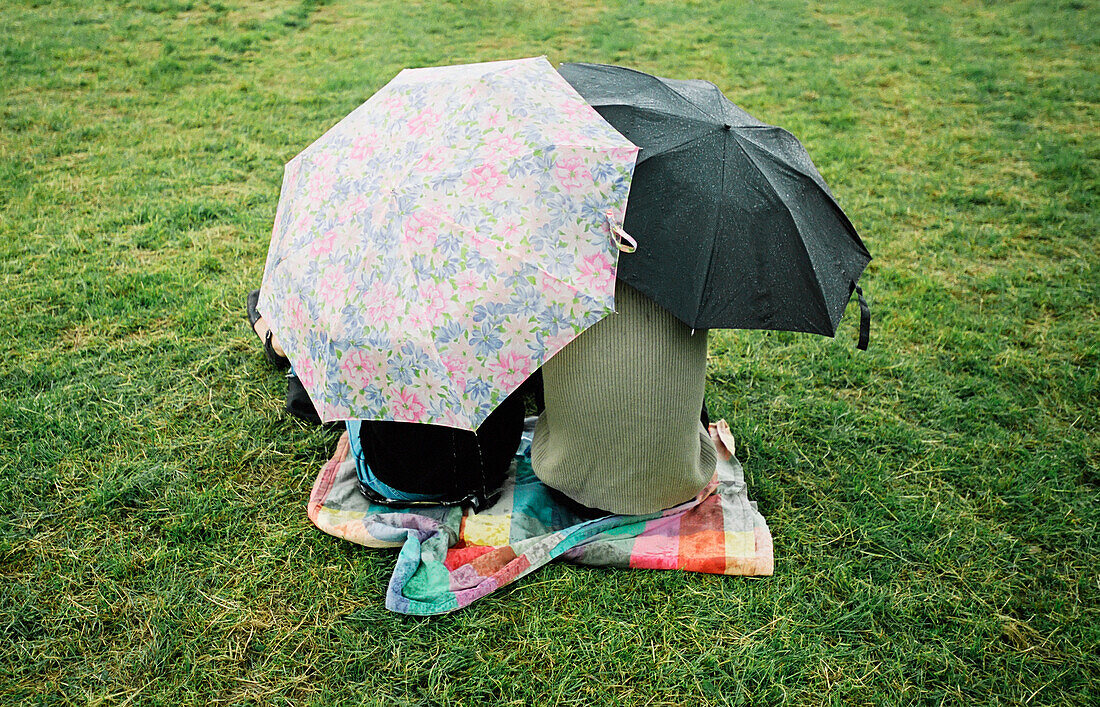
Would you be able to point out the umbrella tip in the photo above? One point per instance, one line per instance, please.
(727, 126)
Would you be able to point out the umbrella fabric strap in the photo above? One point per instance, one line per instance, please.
(864, 320)
(620, 238)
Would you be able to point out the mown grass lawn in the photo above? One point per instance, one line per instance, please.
(933, 500)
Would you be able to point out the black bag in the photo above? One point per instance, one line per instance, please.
(463, 467)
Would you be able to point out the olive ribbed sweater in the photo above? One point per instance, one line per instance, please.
(621, 428)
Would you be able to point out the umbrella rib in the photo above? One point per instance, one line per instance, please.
(679, 146)
(749, 129)
(652, 80)
(537, 266)
(714, 238)
(429, 341)
(816, 179)
(707, 119)
(464, 104)
(552, 276)
(696, 105)
(819, 297)
(599, 146)
(644, 153)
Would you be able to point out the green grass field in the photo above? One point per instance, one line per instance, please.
(933, 500)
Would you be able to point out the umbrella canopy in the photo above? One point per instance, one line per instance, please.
(438, 244)
(735, 227)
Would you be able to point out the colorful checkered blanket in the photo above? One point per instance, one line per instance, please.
(450, 557)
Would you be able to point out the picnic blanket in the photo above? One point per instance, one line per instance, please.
(450, 557)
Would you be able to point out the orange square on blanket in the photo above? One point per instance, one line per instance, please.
(704, 552)
(493, 560)
(703, 538)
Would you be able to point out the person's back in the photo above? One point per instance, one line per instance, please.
(621, 429)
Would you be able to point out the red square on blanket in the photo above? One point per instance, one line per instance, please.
(458, 556)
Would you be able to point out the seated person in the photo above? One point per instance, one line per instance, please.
(621, 429)
(404, 463)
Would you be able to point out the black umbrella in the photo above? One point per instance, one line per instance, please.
(735, 227)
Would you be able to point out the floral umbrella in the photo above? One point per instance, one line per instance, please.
(444, 240)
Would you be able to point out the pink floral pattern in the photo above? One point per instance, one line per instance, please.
(364, 146)
(467, 282)
(512, 368)
(573, 174)
(484, 181)
(423, 122)
(421, 229)
(595, 271)
(307, 372)
(333, 286)
(362, 367)
(505, 145)
(407, 407)
(445, 239)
